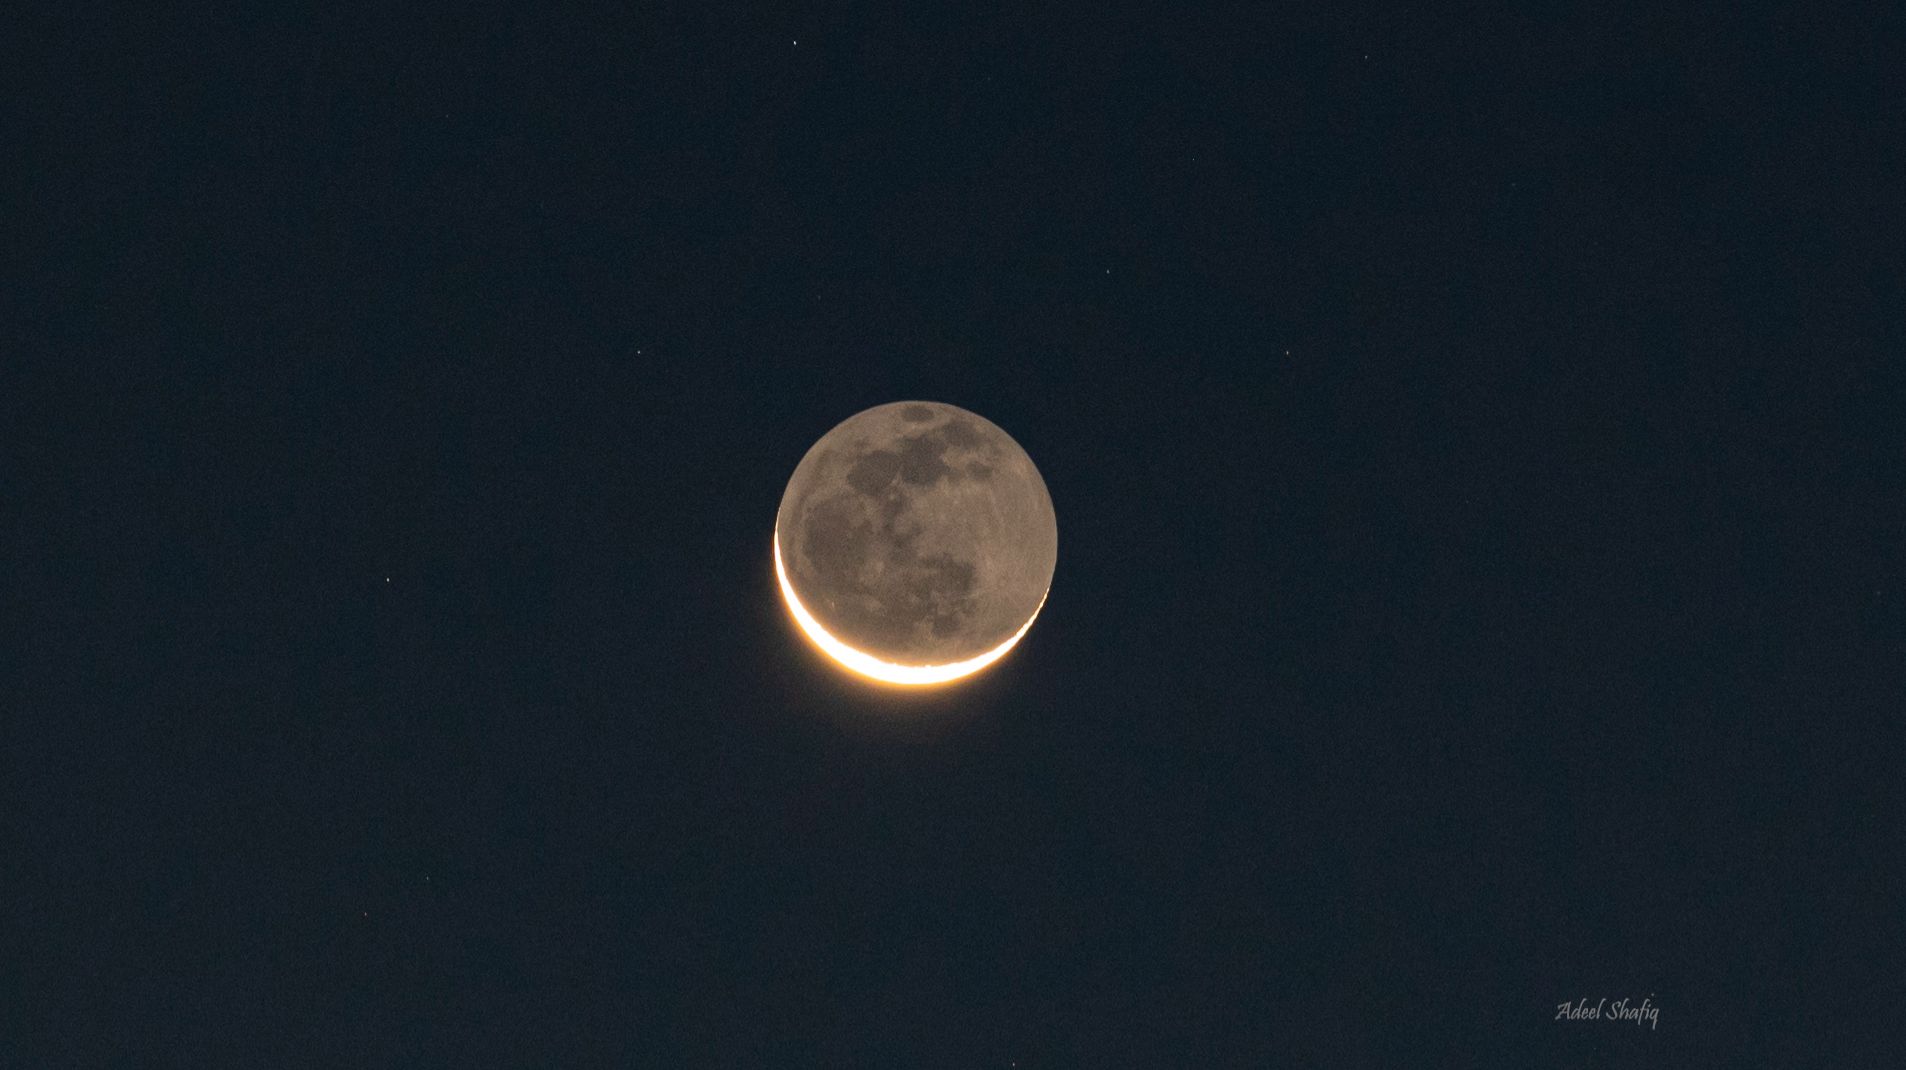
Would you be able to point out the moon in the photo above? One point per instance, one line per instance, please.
(915, 543)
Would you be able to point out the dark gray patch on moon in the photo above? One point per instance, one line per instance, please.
(962, 432)
(873, 473)
(922, 460)
(919, 533)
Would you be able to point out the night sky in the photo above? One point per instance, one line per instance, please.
(1475, 440)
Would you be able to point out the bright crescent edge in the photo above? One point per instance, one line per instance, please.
(888, 672)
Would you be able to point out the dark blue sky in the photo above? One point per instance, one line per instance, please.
(1475, 442)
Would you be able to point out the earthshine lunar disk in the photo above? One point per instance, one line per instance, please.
(915, 543)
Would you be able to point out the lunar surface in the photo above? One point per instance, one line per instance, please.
(915, 543)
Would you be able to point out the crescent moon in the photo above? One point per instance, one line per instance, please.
(915, 544)
(873, 668)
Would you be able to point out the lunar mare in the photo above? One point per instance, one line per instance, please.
(918, 539)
